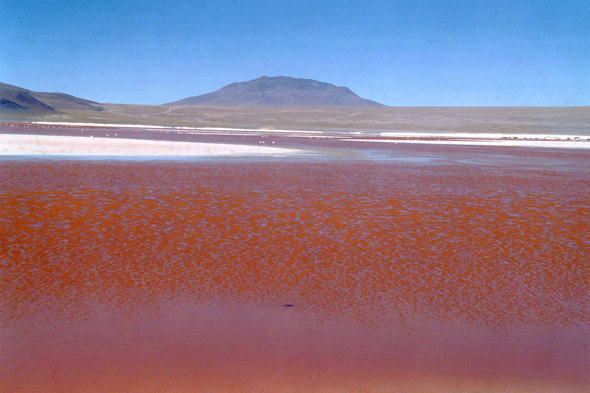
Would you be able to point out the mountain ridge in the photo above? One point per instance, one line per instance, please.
(279, 91)
(18, 99)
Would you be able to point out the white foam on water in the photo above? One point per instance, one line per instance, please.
(513, 142)
(493, 136)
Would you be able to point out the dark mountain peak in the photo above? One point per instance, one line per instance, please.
(279, 90)
(10, 105)
(267, 83)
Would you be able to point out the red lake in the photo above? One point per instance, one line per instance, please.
(350, 275)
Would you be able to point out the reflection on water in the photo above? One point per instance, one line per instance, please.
(172, 275)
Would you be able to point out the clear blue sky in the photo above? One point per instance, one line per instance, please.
(397, 52)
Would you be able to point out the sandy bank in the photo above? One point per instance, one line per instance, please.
(11, 144)
(176, 128)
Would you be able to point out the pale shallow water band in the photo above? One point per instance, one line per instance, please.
(68, 145)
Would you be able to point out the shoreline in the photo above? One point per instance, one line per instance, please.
(75, 139)
(385, 134)
(51, 145)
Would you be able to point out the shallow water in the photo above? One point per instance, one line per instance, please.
(177, 275)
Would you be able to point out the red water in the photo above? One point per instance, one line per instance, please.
(278, 276)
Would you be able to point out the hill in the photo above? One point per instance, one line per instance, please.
(17, 99)
(280, 90)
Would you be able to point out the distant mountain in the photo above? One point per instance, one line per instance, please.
(17, 99)
(280, 90)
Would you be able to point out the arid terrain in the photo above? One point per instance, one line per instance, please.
(238, 108)
(563, 120)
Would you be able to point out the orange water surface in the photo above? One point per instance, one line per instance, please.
(292, 276)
